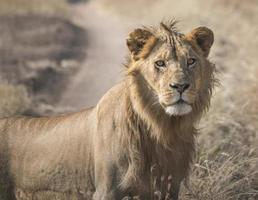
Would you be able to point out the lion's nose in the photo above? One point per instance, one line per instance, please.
(179, 87)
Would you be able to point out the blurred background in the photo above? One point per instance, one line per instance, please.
(59, 56)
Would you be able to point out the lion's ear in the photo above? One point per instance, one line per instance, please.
(203, 37)
(140, 42)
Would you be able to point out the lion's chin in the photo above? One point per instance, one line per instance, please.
(178, 109)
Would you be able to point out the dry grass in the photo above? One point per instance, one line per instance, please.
(226, 165)
(46, 7)
(14, 100)
(45, 195)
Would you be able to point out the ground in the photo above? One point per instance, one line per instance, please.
(105, 52)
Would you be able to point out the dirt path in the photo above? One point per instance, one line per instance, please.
(102, 67)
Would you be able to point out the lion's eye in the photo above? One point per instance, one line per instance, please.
(191, 62)
(160, 63)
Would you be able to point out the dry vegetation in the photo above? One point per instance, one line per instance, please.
(226, 161)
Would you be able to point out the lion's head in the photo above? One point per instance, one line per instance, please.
(174, 66)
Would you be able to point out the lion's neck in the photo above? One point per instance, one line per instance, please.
(153, 138)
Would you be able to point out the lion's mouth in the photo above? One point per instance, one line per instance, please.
(180, 107)
(179, 102)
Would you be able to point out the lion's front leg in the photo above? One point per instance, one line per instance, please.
(174, 191)
(175, 194)
(106, 188)
(105, 181)
(102, 195)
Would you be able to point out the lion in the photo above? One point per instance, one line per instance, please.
(142, 129)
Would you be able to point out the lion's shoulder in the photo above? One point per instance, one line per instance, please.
(113, 99)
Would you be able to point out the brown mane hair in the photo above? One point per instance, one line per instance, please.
(148, 126)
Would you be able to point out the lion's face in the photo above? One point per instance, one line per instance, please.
(174, 78)
(174, 68)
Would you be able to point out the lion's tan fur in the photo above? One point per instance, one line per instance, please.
(109, 150)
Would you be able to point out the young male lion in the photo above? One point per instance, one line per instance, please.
(142, 126)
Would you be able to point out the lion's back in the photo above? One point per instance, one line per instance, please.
(44, 152)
